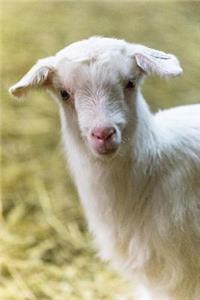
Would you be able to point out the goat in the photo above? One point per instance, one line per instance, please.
(137, 173)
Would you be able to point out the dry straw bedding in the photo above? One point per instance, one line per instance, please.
(45, 250)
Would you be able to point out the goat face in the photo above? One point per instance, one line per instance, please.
(99, 95)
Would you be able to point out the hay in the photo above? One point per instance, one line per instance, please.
(45, 250)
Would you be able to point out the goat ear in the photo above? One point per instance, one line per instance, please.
(38, 75)
(156, 62)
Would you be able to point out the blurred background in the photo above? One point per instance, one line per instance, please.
(45, 249)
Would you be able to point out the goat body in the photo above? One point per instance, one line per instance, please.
(140, 188)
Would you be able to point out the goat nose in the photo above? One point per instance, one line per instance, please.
(103, 133)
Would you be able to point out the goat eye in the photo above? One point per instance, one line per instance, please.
(130, 85)
(65, 95)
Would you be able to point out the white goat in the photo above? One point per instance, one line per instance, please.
(137, 173)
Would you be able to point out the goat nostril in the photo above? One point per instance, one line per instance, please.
(110, 133)
(103, 133)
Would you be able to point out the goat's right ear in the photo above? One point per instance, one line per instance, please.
(156, 62)
(39, 75)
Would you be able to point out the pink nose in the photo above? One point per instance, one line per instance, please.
(103, 134)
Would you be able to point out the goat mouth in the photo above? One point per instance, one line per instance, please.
(105, 150)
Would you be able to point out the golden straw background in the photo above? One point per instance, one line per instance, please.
(45, 249)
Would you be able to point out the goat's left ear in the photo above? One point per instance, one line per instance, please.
(157, 62)
(39, 75)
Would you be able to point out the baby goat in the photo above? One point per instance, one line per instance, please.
(137, 173)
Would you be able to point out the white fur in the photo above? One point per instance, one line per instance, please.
(142, 203)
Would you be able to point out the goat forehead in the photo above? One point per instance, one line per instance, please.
(105, 71)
